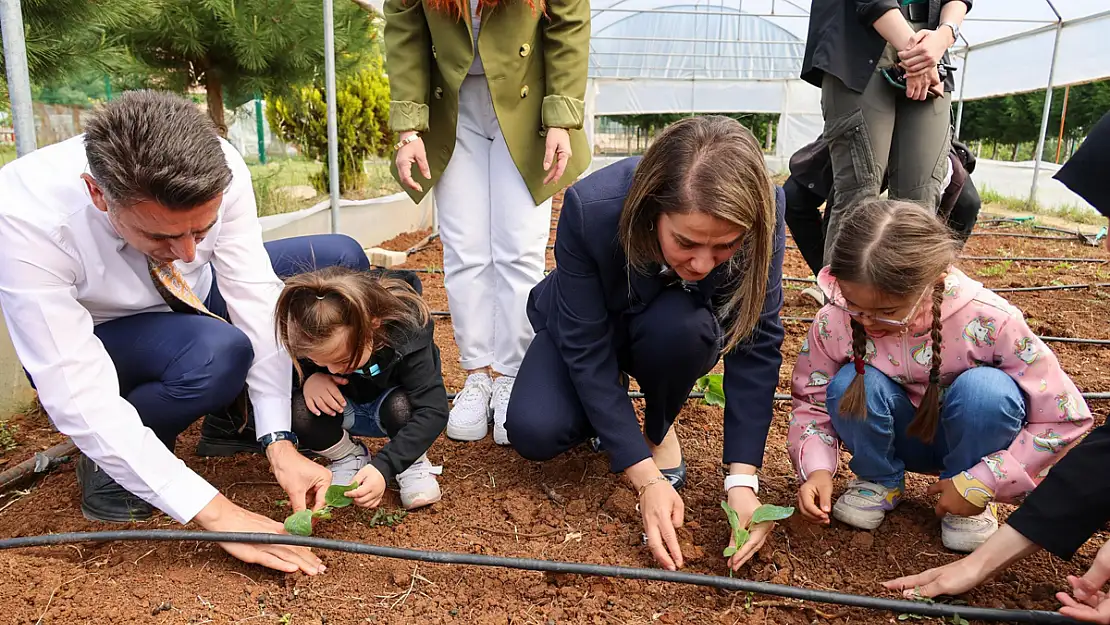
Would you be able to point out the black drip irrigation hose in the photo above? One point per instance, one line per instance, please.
(552, 566)
(786, 397)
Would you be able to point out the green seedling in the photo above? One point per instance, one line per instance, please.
(300, 523)
(763, 514)
(388, 519)
(713, 387)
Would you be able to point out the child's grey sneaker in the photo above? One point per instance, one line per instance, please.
(343, 470)
(865, 504)
(964, 534)
(418, 484)
(499, 404)
(470, 414)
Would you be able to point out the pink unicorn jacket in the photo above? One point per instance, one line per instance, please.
(979, 329)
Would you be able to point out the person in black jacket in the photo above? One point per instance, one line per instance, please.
(1062, 513)
(362, 342)
(663, 264)
(811, 184)
(886, 104)
(1085, 172)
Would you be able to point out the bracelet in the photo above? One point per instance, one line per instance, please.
(407, 140)
(654, 480)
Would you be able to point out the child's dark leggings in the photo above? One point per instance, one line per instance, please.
(318, 433)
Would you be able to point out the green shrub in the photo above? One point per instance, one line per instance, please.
(362, 104)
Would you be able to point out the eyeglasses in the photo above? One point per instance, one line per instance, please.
(836, 298)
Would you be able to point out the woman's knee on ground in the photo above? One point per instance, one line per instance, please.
(534, 431)
(340, 250)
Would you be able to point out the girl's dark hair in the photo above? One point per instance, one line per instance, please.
(372, 309)
(901, 249)
(710, 164)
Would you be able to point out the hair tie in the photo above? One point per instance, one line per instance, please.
(320, 297)
(859, 365)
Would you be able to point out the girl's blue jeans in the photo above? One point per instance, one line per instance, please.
(981, 413)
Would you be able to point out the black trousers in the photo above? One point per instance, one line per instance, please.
(666, 347)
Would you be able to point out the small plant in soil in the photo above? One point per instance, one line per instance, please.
(300, 523)
(763, 514)
(7, 436)
(712, 386)
(994, 271)
(387, 518)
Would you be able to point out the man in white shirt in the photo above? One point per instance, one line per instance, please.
(112, 244)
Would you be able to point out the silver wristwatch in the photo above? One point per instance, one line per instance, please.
(955, 30)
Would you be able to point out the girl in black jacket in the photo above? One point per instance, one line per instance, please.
(362, 343)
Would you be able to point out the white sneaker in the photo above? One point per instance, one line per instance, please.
(470, 414)
(343, 470)
(418, 483)
(965, 533)
(815, 294)
(502, 391)
(865, 504)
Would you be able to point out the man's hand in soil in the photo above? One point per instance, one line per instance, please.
(302, 479)
(951, 501)
(744, 501)
(371, 487)
(220, 515)
(1089, 603)
(815, 497)
(1001, 550)
(662, 511)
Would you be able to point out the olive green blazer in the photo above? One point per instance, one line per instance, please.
(535, 65)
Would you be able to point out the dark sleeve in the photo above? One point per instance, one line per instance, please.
(868, 11)
(1073, 501)
(752, 369)
(1085, 172)
(422, 381)
(580, 326)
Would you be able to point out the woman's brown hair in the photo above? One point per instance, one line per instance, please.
(459, 8)
(710, 164)
(372, 309)
(901, 249)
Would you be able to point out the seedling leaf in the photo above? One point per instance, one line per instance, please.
(767, 512)
(713, 387)
(742, 535)
(335, 497)
(730, 551)
(299, 523)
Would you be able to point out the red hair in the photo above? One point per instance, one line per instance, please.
(459, 8)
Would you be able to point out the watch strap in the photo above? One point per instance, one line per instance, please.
(751, 481)
(274, 437)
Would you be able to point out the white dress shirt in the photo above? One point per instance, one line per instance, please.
(64, 269)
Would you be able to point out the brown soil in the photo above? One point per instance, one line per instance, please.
(571, 508)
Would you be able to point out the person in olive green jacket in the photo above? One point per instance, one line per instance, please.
(487, 97)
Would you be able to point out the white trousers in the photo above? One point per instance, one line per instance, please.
(494, 239)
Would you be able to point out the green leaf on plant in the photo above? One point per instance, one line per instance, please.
(767, 512)
(713, 387)
(958, 620)
(739, 532)
(730, 551)
(299, 523)
(741, 535)
(335, 497)
(323, 513)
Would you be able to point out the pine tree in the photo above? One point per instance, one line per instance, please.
(237, 48)
(64, 37)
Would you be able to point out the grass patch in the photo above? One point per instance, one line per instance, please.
(1069, 212)
(7, 154)
(998, 269)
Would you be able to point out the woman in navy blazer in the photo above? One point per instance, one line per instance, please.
(663, 264)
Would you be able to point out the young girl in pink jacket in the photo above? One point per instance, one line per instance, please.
(916, 367)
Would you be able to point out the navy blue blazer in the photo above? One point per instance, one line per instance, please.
(584, 298)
